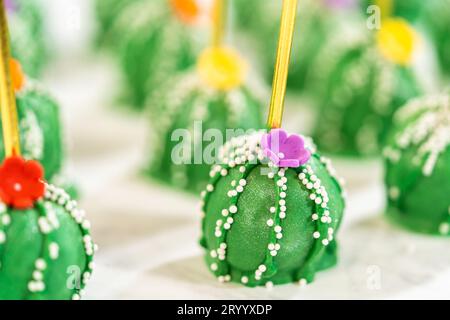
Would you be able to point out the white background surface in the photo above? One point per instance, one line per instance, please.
(148, 234)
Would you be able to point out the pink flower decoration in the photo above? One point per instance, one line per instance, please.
(285, 151)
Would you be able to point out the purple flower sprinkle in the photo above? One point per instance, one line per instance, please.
(287, 151)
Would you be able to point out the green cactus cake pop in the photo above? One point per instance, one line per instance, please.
(46, 251)
(273, 205)
(45, 248)
(28, 42)
(417, 158)
(158, 38)
(39, 124)
(363, 78)
(213, 96)
(272, 228)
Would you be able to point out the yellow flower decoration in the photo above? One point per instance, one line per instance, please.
(222, 68)
(397, 41)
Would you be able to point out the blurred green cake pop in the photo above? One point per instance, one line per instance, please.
(158, 38)
(273, 205)
(46, 251)
(362, 79)
(214, 96)
(39, 123)
(417, 158)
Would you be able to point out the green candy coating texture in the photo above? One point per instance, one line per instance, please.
(40, 129)
(437, 22)
(417, 159)
(182, 115)
(358, 92)
(46, 252)
(154, 45)
(106, 12)
(264, 225)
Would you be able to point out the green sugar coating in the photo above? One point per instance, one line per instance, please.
(182, 115)
(411, 10)
(46, 252)
(40, 129)
(265, 225)
(436, 20)
(28, 44)
(154, 45)
(358, 92)
(417, 159)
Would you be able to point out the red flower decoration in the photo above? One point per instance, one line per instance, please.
(21, 183)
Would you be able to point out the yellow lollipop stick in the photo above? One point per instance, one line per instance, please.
(7, 95)
(219, 22)
(288, 16)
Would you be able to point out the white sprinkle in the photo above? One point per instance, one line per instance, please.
(272, 209)
(444, 228)
(316, 235)
(6, 219)
(277, 229)
(214, 267)
(262, 268)
(394, 193)
(40, 264)
(244, 280)
(233, 209)
(53, 249)
(270, 222)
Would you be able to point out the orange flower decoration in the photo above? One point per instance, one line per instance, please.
(186, 10)
(17, 75)
(21, 183)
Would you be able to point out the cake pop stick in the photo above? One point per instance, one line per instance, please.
(7, 95)
(219, 22)
(288, 15)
